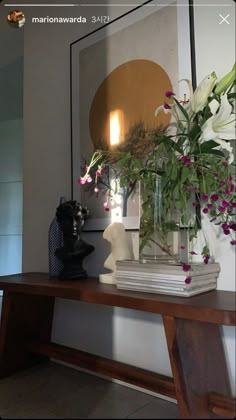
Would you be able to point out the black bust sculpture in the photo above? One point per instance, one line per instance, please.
(71, 217)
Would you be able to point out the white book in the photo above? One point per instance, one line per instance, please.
(183, 293)
(163, 277)
(159, 268)
(201, 282)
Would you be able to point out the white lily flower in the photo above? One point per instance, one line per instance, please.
(221, 126)
(198, 98)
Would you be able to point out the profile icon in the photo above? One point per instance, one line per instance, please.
(16, 18)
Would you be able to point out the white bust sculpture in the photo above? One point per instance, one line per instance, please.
(115, 234)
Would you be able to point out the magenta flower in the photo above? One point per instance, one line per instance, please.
(233, 204)
(188, 280)
(186, 267)
(221, 209)
(204, 197)
(206, 259)
(210, 206)
(169, 93)
(225, 204)
(225, 226)
(233, 242)
(233, 227)
(166, 106)
(194, 204)
(227, 192)
(98, 173)
(222, 183)
(225, 164)
(205, 210)
(226, 231)
(186, 160)
(214, 197)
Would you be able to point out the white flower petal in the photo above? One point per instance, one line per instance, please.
(214, 106)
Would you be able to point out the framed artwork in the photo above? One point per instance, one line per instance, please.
(119, 75)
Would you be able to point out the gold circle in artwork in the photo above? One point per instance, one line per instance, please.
(129, 94)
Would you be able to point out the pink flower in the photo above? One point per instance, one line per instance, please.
(205, 210)
(105, 205)
(96, 189)
(210, 206)
(89, 179)
(98, 173)
(214, 197)
(222, 183)
(221, 209)
(188, 280)
(233, 204)
(204, 197)
(169, 93)
(82, 180)
(186, 267)
(226, 231)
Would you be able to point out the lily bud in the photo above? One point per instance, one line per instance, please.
(202, 92)
(226, 81)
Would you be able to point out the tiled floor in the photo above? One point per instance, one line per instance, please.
(53, 391)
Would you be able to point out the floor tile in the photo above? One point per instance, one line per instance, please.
(54, 391)
(156, 409)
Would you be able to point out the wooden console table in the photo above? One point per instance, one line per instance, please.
(192, 326)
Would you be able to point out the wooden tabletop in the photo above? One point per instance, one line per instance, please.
(218, 307)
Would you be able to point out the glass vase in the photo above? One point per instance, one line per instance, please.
(160, 233)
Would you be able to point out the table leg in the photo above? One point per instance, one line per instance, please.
(198, 365)
(24, 318)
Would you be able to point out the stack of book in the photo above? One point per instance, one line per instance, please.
(168, 279)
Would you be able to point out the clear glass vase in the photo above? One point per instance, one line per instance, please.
(160, 233)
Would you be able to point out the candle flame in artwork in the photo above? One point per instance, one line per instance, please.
(115, 127)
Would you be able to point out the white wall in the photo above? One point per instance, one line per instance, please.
(129, 336)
